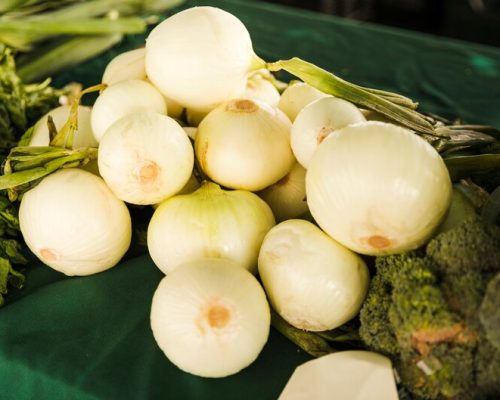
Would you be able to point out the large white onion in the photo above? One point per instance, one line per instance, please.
(377, 188)
(312, 281)
(121, 99)
(83, 135)
(73, 223)
(200, 57)
(145, 157)
(210, 317)
(245, 144)
(316, 121)
(210, 222)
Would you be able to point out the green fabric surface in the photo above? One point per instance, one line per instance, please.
(89, 337)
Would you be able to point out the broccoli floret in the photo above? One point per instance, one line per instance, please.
(421, 310)
(489, 313)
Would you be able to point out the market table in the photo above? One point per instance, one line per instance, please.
(84, 338)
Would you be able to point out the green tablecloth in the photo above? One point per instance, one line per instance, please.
(89, 338)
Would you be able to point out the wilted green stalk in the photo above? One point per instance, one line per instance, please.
(48, 60)
(400, 109)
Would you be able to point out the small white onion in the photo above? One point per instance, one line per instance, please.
(245, 144)
(83, 135)
(210, 222)
(203, 65)
(296, 96)
(210, 318)
(377, 188)
(121, 99)
(125, 66)
(312, 281)
(145, 157)
(287, 197)
(316, 121)
(73, 223)
(260, 88)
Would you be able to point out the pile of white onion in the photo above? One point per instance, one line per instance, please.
(250, 158)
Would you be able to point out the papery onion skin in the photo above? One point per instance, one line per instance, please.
(244, 144)
(145, 157)
(378, 188)
(204, 65)
(121, 99)
(74, 224)
(312, 281)
(210, 222)
(210, 317)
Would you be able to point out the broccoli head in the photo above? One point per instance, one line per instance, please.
(422, 311)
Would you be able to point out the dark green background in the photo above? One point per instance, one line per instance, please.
(89, 337)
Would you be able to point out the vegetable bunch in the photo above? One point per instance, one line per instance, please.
(270, 199)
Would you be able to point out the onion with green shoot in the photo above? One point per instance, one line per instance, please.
(83, 136)
(145, 157)
(378, 188)
(312, 282)
(245, 144)
(74, 224)
(210, 222)
(316, 121)
(210, 317)
(204, 65)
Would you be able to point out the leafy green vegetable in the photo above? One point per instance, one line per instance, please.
(20, 105)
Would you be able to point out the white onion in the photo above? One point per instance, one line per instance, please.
(125, 66)
(73, 223)
(210, 222)
(245, 144)
(83, 135)
(204, 64)
(296, 96)
(210, 318)
(287, 197)
(145, 157)
(311, 281)
(377, 188)
(260, 88)
(121, 99)
(316, 121)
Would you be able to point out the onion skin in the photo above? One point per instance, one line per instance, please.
(378, 188)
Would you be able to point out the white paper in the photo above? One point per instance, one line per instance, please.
(345, 375)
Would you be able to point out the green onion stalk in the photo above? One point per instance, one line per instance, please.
(468, 150)
(51, 36)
